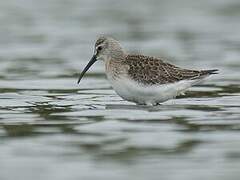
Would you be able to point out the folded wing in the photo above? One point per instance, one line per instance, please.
(150, 71)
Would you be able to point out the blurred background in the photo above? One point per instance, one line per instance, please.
(52, 128)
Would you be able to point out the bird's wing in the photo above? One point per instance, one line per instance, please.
(149, 71)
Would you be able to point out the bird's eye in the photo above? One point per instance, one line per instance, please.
(99, 48)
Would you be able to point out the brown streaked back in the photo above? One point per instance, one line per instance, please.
(151, 71)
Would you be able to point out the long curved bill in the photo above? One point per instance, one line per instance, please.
(91, 62)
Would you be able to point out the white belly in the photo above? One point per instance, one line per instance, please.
(149, 95)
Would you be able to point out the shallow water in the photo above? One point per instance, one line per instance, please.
(52, 128)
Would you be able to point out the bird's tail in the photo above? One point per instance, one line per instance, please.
(209, 72)
(205, 73)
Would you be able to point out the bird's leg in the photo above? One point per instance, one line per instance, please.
(141, 104)
(157, 104)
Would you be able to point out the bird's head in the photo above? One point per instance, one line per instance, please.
(105, 48)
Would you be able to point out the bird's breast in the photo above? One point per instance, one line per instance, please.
(114, 69)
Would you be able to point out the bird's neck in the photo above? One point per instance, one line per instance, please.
(114, 67)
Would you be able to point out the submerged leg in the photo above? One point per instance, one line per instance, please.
(141, 104)
(156, 104)
(149, 104)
